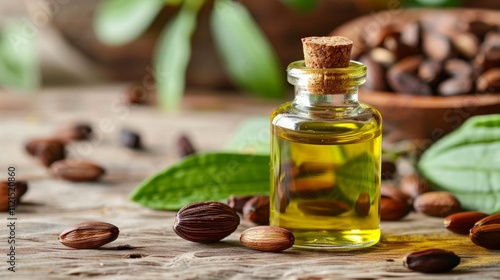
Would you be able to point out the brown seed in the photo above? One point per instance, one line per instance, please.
(78, 131)
(408, 83)
(184, 146)
(323, 207)
(32, 145)
(466, 44)
(458, 68)
(487, 236)
(437, 204)
(489, 81)
(481, 63)
(76, 170)
(478, 28)
(136, 95)
(489, 53)
(393, 209)
(408, 64)
(413, 185)
(47, 150)
(430, 71)
(281, 200)
(205, 222)
(462, 222)
(491, 46)
(402, 77)
(237, 202)
(388, 189)
(89, 235)
(311, 186)
(256, 210)
(389, 169)
(362, 206)
(267, 238)
(437, 46)
(383, 57)
(21, 188)
(411, 34)
(130, 139)
(11, 193)
(394, 44)
(489, 220)
(431, 261)
(456, 86)
(312, 168)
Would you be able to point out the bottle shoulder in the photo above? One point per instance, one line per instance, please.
(361, 113)
(361, 123)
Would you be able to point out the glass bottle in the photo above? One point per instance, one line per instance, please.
(325, 160)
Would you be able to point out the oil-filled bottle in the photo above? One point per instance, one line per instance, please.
(326, 152)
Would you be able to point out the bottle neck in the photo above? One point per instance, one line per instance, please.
(307, 100)
(326, 91)
(321, 86)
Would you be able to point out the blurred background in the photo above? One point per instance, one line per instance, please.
(52, 43)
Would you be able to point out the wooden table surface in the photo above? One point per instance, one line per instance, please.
(158, 253)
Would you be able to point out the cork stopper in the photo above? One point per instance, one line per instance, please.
(327, 52)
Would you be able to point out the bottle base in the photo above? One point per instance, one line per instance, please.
(336, 240)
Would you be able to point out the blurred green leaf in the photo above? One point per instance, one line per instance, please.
(172, 55)
(19, 68)
(245, 51)
(119, 22)
(301, 5)
(252, 137)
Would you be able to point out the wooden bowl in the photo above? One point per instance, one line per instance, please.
(428, 118)
(421, 118)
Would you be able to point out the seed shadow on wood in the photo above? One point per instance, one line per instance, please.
(135, 256)
(124, 247)
(28, 207)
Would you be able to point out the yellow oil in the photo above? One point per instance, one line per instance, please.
(325, 184)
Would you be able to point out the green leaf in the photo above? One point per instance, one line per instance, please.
(19, 65)
(172, 56)
(473, 168)
(205, 177)
(467, 163)
(301, 5)
(118, 22)
(252, 136)
(246, 53)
